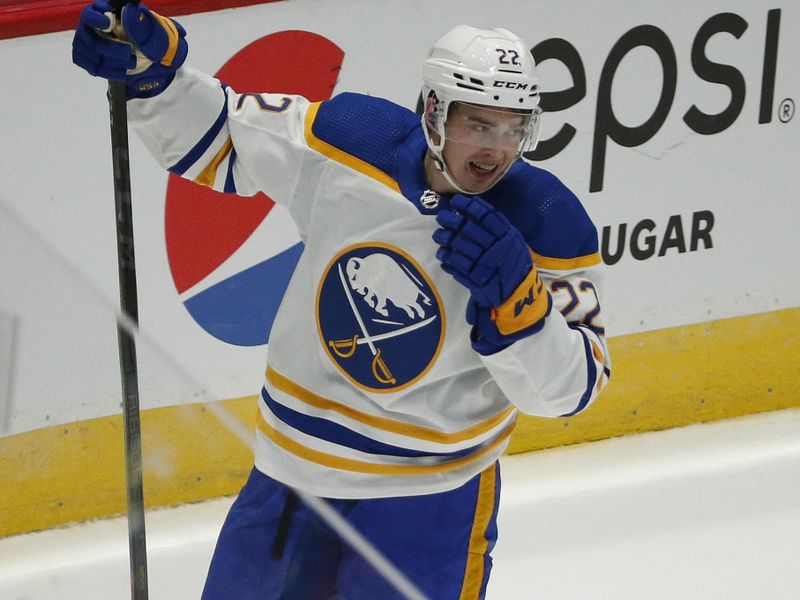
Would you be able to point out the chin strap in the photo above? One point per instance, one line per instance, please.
(440, 165)
(436, 155)
(438, 161)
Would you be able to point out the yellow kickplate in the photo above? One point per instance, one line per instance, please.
(683, 375)
(661, 379)
(76, 472)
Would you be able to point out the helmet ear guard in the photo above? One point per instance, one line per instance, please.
(433, 119)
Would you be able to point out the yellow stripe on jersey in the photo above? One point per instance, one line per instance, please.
(566, 264)
(474, 571)
(343, 157)
(360, 466)
(598, 354)
(172, 39)
(209, 174)
(297, 391)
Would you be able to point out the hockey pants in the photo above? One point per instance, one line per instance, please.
(272, 546)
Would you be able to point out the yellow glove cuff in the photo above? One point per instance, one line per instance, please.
(526, 306)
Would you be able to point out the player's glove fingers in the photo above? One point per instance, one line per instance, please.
(460, 225)
(95, 51)
(112, 53)
(98, 69)
(99, 65)
(458, 276)
(105, 49)
(463, 245)
(480, 211)
(94, 17)
(476, 232)
(474, 207)
(496, 223)
(87, 64)
(458, 242)
(471, 275)
(447, 268)
(443, 237)
(464, 225)
(456, 261)
(452, 221)
(160, 39)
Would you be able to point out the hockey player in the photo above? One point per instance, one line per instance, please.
(445, 286)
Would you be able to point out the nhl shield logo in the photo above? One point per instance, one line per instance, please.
(430, 199)
(379, 317)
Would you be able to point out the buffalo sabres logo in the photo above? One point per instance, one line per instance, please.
(379, 317)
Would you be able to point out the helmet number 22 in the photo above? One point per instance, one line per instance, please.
(508, 57)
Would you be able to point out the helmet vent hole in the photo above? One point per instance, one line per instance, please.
(476, 81)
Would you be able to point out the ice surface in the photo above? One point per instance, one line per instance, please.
(705, 512)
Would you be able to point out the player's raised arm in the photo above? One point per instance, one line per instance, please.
(194, 125)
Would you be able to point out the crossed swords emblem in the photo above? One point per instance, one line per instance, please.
(347, 347)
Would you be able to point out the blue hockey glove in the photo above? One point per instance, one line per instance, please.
(484, 252)
(144, 51)
(491, 334)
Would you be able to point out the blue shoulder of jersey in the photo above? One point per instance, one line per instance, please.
(367, 128)
(549, 215)
(388, 137)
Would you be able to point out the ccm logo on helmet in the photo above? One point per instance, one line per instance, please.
(512, 85)
(608, 125)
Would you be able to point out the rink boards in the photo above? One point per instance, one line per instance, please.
(677, 132)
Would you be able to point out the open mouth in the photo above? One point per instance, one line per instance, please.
(482, 169)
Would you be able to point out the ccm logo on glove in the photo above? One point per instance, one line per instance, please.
(525, 307)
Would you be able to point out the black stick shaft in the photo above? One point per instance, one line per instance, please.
(127, 345)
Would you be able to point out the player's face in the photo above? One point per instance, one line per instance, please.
(480, 144)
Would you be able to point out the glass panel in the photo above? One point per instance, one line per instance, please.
(62, 450)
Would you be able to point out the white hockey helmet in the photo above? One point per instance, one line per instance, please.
(491, 68)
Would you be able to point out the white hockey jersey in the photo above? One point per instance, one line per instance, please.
(372, 387)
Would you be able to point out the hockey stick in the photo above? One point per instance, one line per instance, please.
(126, 263)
